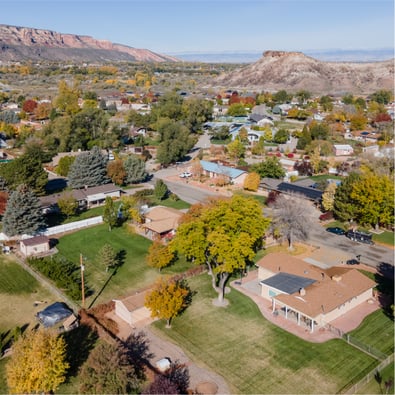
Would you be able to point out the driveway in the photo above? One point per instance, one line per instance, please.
(163, 348)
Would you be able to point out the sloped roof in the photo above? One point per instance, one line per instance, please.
(134, 302)
(162, 219)
(288, 283)
(309, 193)
(36, 240)
(220, 169)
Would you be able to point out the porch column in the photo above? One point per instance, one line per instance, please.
(286, 312)
(312, 326)
(298, 315)
(273, 305)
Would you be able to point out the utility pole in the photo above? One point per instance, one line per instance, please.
(82, 282)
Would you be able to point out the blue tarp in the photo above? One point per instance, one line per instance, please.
(53, 314)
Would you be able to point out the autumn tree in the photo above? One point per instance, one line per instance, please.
(37, 363)
(29, 106)
(251, 182)
(167, 299)
(328, 197)
(64, 165)
(159, 255)
(67, 99)
(236, 149)
(23, 214)
(108, 370)
(293, 218)
(237, 110)
(344, 206)
(116, 171)
(223, 234)
(68, 204)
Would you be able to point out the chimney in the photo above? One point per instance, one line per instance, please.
(302, 292)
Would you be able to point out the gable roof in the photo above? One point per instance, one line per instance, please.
(221, 169)
(36, 240)
(162, 219)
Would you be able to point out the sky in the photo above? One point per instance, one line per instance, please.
(204, 26)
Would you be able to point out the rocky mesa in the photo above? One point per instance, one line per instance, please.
(25, 43)
(295, 71)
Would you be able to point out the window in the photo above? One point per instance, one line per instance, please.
(272, 293)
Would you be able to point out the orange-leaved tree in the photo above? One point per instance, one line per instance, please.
(159, 255)
(168, 298)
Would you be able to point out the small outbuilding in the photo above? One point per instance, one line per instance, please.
(34, 245)
(54, 314)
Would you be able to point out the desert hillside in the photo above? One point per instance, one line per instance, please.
(24, 43)
(295, 71)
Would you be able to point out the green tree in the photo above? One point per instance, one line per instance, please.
(167, 299)
(108, 371)
(37, 363)
(348, 99)
(382, 96)
(68, 204)
(281, 136)
(236, 149)
(221, 133)
(326, 103)
(67, 99)
(23, 214)
(319, 130)
(303, 96)
(107, 256)
(344, 206)
(89, 169)
(135, 169)
(110, 215)
(160, 190)
(237, 110)
(224, 234)
(281, 96)
(159, 255)
(270, 167)
(64, 165)
(196, 111)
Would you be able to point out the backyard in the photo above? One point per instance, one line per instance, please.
(132, 274)
(253, 355)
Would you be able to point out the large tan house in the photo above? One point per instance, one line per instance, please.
(161, 222)
(308, 294)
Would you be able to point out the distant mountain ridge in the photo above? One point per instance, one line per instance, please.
(294, 71)
(332, 55)
(25, 43)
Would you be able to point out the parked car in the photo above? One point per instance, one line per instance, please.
(186, 174)
(361, 237)
(336, 230)
(352, 262)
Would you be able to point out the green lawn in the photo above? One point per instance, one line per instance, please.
(131, 275)
(373, 387)
(18, 292)
(253, 355)
(377, 330)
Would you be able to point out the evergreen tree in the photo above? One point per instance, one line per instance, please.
(23, 214)
(160, 190)
(135, 169)
(89, 169)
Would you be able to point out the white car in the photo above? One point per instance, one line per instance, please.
(186, 174)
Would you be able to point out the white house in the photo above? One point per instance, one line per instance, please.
(343, 149)
(131, 309)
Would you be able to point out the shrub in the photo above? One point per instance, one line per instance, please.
(326, 216)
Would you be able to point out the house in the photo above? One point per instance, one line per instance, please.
(213, 170)
(308, 294)
(343, 150)
(34, 245)
(161, 222)
(131, 309)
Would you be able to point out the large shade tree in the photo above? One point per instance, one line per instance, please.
(89, 169)
(223, 234)
(23, 214)
(292, 218)
(37, 363)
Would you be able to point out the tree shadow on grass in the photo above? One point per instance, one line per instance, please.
(119, 261)
(80, 342)
(385, 286)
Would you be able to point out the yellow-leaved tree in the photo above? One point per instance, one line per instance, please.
(38, 362)
(159, 255)
(167, 299)
(251, 182)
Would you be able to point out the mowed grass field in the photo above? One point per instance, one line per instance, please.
(377, 330)
(255, 356)
(18, 292)
(133, 274)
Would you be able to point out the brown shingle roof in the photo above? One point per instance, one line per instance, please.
(36, 240)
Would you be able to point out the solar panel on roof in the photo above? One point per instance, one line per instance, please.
(288, 283)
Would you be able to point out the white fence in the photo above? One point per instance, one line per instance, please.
(73, 226)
